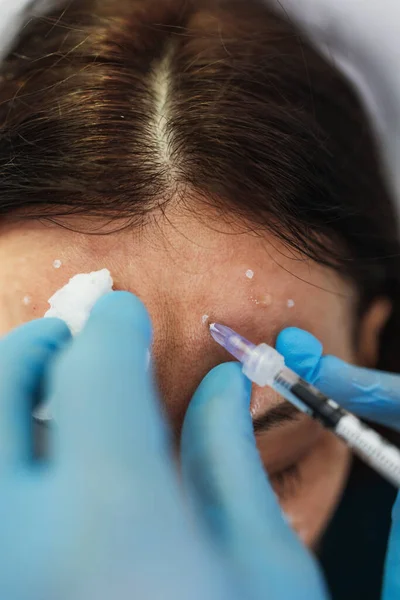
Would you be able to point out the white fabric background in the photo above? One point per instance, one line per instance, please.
(363, 39)
(14, 14)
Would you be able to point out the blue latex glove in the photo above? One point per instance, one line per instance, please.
(107, 516)
(373, 395)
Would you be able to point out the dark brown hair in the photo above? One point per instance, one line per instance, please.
(116, 107)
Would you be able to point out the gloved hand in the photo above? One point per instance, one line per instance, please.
(373, 395)
(106, 516)
(362, 38)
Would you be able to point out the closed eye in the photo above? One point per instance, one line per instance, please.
(276, 416)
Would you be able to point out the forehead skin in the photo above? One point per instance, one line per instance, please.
(182, 268)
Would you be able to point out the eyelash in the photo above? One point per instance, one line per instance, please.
(286, 481)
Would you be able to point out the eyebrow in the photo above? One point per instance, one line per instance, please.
(285, 412)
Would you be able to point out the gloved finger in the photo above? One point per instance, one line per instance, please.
(24, 355)
(223, 472)
(373, 395)
(391, 585)
(105, 403)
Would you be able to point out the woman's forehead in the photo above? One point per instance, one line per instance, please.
(187, 277)
(186, 273)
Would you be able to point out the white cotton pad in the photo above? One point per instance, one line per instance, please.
(73, 304)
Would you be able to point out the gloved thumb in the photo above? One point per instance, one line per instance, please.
(373, 395)
(220, 460)
(224, 474)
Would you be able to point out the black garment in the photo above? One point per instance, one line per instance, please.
(353, 550)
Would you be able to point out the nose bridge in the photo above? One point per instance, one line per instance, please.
(181, 357)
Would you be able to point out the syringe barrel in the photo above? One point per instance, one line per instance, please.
(371, 447)
(263, 365)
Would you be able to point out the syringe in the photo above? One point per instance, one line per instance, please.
(264, 366)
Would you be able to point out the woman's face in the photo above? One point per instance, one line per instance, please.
(185, 267)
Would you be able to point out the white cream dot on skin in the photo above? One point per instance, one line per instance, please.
(290, 303)
(249, 274)
(204, 319)
(57, 264)
(26, 300)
